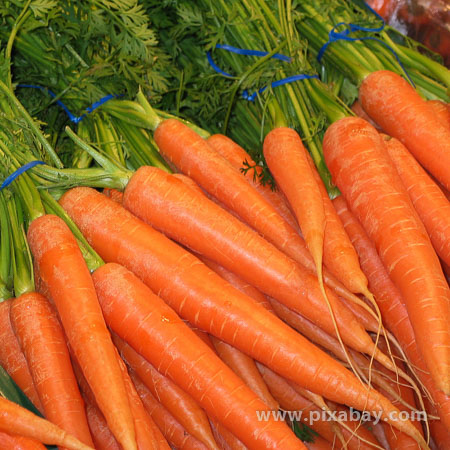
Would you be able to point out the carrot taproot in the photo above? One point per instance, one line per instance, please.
(327, 342)
(441, 111)
(63, 270)
(181, 405)
(173, 431)
(12, 359)
(428, 200)
(440, 434)
(402, 113)
(198, 294)
(156, 332)
(17, 420)
(194, 157)
(243, 162)
(189, 182)
(14, 442)
(148, 436)
(245, 367)
(101, 434)
(361, 168)
(199, 224)
(391, 303)
(286, 158)
(42, 341)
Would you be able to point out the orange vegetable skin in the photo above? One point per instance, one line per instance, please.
(428, 199)
(12, 359)
(14, 442)
(63, 270)
(361, 168)
(17, 420)
(43, 343)
(400, 111)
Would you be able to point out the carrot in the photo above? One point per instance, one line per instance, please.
(181, 405)
(241, 160)
(286, 158)
(175, 434)
(440, 434)
(428, 200)
(441, 111)
(198, 294)
(192, 155)
(63, 270)
(391, 304)
(12, 359)
(101, 434)
(148, 436)
(113, 194)
(14, 442)
(362, 170)
(43, 343)
(402, 113)
(17, 420)
(156, 332)
(198, 223)
(327, 342)
(245, 367)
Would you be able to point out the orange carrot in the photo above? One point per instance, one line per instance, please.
(156, 332)
(391, 304)
(148, 436)
(199, 294)
(400, 111)
(101, 434)
(12, 359)
(14, 442)
(63, 270)
(286, 158)
(181, 405)
(198, 223)
(441, 111)
(43, 343)
(194, 157)
(362, 170)
(17, 420)
(237, 156)
(440, 435)
(175, 434)
(428, 200)
(189, 182)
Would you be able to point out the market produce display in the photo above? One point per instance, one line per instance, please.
(223, 225)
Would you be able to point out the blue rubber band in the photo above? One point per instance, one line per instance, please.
(291, 79)
(72, 117)
(10, 178)
(344, 35)
(247, 52)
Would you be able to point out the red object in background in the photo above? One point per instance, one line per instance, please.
(427, 21)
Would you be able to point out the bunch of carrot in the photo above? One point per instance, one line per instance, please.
(198, 306)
